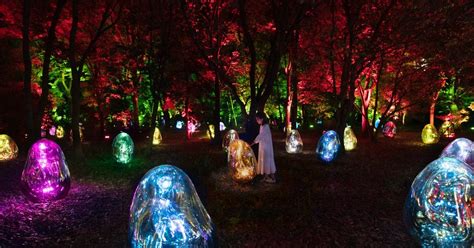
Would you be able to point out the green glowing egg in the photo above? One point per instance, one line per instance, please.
(122, 148)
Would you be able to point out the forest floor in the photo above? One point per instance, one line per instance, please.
(355, 202)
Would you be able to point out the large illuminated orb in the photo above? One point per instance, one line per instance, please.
(328, 147)
(122, 147)
(230, 136)
(461, 149)
(8, 148)
(429, 134)
(241, 161)
(166, 212)
(350, 140)
(60, 132)
(157, 136)
(389, 129)
(179, 124)
(293, 142)
(46, 175)
(447, 129)
(438, 210)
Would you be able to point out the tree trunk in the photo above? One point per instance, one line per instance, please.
(76, 81)
(289, 96)
(153, 125)
(27, 72)
(217, 111)
(135, 113)
(45, 70)
(187, 119)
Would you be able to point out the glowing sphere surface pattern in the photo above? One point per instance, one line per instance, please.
(438, 210)
(389, 129)
(350, 140)
(166, 212)
(447, 130)
(230, 136)
(293, 142)
(328, 147)
(241, 161)
(157, 136)
(429, 134)
(45, 176)
(123, 148)
(8, 148)
(461, 149)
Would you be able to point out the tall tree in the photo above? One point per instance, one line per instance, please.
(77, 62)
(27, 72)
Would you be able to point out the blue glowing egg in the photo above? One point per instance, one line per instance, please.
(167, 212)
(461, 149)
(438, 210)
(328, 147)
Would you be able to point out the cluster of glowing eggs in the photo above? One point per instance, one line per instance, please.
(166, 212)
(230, 136)
(8, 148)
(60, 132)
(293, 142)
(461, 149)
(438, 210)
(122, 148)
(429, 134)
(241, 161)
(157, 136)
(350, 140)
(447, 129)
(45, 176)
(389, 129)
(328, 147)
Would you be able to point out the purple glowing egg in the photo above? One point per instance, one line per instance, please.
(46, 175)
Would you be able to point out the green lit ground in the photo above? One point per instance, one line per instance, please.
(357, 201)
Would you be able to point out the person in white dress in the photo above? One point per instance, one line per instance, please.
(266, 162)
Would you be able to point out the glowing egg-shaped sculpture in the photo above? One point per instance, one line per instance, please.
(461, 149)
(8, 148)
(350, 140)
(447, 129)
(211, 131)
(52, 131)
(166, 212)
(438, 210)
(60, 132)
(389, 129)
(157, 136)
(293, 142)
(241, 161)
(429, 134)
(46, 175)
(179, 124)
(222, 126)
(230, 136)
(123, 147)
(328, 147)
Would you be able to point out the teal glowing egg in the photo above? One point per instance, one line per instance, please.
(166, 212)
(122, 148)
(438, 210)
(328, 147)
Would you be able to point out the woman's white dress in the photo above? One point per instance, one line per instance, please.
(266, 162)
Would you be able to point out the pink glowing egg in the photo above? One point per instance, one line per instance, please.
(46, 175)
